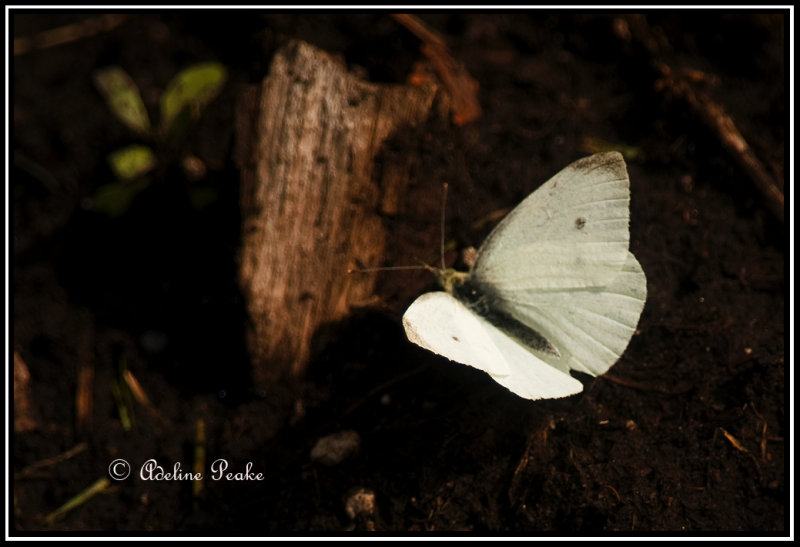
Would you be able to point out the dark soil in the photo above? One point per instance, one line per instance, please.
(684, 434)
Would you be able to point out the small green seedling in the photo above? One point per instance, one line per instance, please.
(182, 103)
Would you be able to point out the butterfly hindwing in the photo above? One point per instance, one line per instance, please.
(590, 327)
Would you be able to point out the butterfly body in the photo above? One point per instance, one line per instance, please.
(481, 298)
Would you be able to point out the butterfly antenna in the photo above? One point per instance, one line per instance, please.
(444, 207)
(423, 265)
(386, 268)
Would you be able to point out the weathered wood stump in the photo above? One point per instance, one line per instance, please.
(311, 197)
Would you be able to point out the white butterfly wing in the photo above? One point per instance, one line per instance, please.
(438, 322)
(572, 232)
(590, 327)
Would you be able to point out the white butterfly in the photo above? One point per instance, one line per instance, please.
(553, 287)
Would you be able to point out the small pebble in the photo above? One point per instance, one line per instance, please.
(335, 448)
(360, 502)
(360, 509)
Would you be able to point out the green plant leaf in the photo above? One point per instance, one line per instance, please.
(132, 161)
(115, 198)
(123, 98)
(192, 89)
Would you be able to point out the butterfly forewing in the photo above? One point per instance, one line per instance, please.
(572, 232)
(438, 322)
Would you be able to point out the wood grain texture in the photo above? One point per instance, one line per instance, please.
(308, 138)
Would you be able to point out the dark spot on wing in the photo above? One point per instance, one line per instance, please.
(580, 222)
(607, 161)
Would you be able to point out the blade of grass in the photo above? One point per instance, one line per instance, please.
(95, 488)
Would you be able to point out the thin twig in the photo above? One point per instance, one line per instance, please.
(712, 115)
(444, 210)
(84, 395)
(459, 83)
(679, 389)
(68, 33)
(32, 469)
(722, 125)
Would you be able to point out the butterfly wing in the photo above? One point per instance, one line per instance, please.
(590, 327)
(559, 263)
(438, 322)
(572, 232)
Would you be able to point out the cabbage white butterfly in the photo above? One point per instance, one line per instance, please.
(553, 287)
